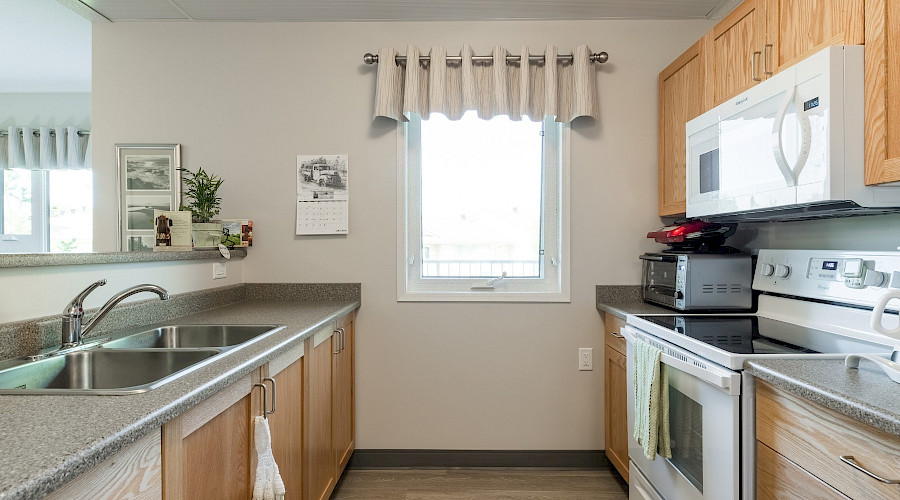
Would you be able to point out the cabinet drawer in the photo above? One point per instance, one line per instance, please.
(612, 326)
(814, 438)
(779, 478)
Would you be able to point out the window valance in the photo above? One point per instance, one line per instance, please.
(45, 148)
(563, 88)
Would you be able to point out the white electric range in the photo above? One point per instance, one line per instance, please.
(812, 304)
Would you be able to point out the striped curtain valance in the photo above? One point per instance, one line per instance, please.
(562, 88)
(45, 148)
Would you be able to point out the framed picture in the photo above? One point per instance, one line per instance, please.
(148, 180)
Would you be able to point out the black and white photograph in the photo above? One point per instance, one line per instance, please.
(322, 177)
(148, 172)
(140, 243)
(149, 178)
(140, 209)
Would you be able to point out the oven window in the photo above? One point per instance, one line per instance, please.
(686, 430)
(659, 277)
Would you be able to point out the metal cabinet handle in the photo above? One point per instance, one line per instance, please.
(849, 460)
(753, 69)
(336, 342)
(343, 337)
(274, 395)
(767, 49)
(265, 391)
(617, 335)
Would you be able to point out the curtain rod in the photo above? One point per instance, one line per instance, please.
(36, 133)
(597, 57)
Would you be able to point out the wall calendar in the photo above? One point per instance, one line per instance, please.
(323, 194)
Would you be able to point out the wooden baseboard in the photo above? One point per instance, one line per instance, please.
(399, 459)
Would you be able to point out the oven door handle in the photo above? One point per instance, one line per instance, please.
(726, 380)
(659, 258)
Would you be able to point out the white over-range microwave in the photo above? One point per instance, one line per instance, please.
(789, 148)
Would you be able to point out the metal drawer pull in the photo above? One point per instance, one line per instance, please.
(849, 460)
(617, 335)
(266, 412)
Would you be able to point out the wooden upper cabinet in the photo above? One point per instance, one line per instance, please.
(682, 97)
(882, 91)
(796, 29)
(736, 50)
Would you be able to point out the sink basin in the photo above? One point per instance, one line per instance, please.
(98, 371)
(192, 336)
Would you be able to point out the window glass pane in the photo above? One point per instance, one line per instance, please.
(71, 211)
(17, 201)
(481, 197)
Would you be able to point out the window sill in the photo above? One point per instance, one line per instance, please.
(498, 296)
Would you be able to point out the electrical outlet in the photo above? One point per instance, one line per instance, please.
(219, 271)
(585, 358)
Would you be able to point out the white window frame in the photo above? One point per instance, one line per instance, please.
(553, 286)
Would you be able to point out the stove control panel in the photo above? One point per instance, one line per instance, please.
(854, 277)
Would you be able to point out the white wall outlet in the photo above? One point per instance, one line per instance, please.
(219, 271)
(585, 358)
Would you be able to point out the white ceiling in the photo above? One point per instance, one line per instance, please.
(403, 10)
(47, 48)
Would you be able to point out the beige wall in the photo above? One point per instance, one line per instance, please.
(244, 99)
(31, 292)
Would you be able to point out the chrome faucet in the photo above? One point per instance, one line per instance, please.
(73, 328)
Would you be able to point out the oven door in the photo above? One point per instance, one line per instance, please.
(659, 282)
(704, 424)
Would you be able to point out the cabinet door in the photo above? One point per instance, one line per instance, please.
(208, 449)
(615, 406)
(217, 455)
(796, 29)
(286, 425)
(882, 82)
(343, 398)
(681, 98)
(737, 44)
(321, 477)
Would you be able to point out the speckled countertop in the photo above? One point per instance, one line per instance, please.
(622, 300)
(865, 394)
(48, 440)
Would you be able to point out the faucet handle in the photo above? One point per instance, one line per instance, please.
(76, 305)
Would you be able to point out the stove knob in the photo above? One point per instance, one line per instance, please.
(767, 270)
(782, 271)
(679, 295)
(875, 278)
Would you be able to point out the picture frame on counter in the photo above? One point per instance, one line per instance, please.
(148, 179)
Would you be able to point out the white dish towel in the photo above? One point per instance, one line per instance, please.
(269, 485)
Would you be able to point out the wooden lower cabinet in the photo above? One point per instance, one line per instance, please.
(321, 469)
(286, 424)
(616, 398)
(813, 439)
(343, 397)
(207, 451)
(330, 433)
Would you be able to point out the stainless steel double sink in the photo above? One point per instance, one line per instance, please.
(128, 364)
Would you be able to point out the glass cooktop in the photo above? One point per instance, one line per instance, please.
(759, 335)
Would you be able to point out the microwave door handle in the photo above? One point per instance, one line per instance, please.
(805, 144)
(778, 144)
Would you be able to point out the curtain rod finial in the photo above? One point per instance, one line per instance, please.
(370, 58)
(600, 57)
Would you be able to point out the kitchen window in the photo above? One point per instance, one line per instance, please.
(483, 210)
(45, 211)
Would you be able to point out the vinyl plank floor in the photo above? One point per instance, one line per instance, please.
(480, 484)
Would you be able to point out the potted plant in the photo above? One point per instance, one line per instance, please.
(204, 204)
